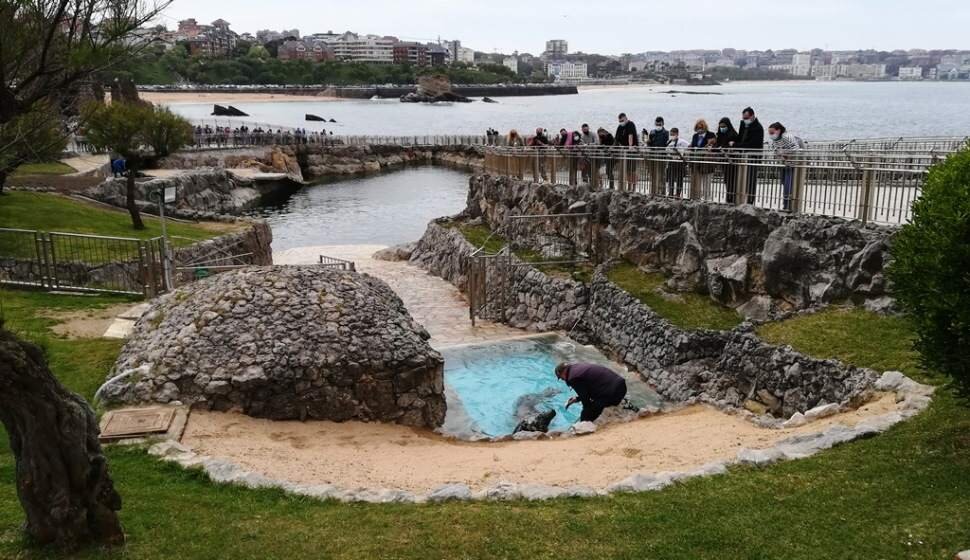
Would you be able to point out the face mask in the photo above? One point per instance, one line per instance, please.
(673, 138)
(659, 127)
(748, 121)
(774, 136)
(700, 131)
(622, 123)
(723, 129)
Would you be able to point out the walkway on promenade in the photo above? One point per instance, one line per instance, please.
(433, 302)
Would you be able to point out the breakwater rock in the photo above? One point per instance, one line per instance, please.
(284, 343)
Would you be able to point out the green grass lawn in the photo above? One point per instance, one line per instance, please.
(688, 310)
(46, 168)
(902, 494)
(55, 213)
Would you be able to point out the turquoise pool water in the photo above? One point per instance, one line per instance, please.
(490, 386)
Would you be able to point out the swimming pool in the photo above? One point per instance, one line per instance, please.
(490, 386)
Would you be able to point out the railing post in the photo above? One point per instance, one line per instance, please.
(741, 187)
(553, 167)
(865, 196)
(573, 165)
(594, 172)
(621, 161)
(535, 167)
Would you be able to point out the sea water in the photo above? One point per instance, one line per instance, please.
(488, 384)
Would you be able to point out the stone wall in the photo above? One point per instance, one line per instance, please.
(730, 369)
(284, 343)
(320, 162)
(759, 261)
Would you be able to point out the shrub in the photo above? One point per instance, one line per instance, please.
(931, 269)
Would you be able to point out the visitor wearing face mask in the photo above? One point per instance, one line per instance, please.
(605, 139)
(751, 137)
(540, 140)
(627, 136)
(586, 138)
(703, 139)
(677, 168)
(785, 145)
(727, 137)
(658, 138)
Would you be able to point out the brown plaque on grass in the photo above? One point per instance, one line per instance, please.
(136, 422)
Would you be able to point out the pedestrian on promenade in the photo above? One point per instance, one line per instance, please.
(676, 169)
(515, 141)
(785, 145)
(563, 137)
(586, 139)
(658, 138)
(703, 139)
(540, 140)
(628, 137)
(606, 140)
(751, 137)
(727, 137)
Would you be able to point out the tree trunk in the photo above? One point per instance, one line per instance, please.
(130, 200)
(62, 477)
(3, 179)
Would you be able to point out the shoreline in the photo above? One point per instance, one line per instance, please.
(190, 97)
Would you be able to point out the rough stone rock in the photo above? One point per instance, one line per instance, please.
(285, 343)
(822, 411)
(759, 456)
(448, 492)
(796, 420)
(755, 407)
(965, 555)
(396, 253)
(797, 260)
(757, 308)
(583, 428)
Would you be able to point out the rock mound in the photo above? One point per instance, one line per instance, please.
(285, 343)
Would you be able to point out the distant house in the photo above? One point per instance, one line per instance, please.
(302, 50)
(414, 54)
(215, 40)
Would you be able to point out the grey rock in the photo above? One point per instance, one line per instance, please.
(450, 492)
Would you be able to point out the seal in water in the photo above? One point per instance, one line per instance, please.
(528, 414)
(536, 423)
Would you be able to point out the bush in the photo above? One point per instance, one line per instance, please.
(931, 269)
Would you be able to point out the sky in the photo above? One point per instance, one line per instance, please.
(612, 27)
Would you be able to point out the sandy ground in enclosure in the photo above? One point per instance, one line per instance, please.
(89, 323)
(354, 454)
(225, 97)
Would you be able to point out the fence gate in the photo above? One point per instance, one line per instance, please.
(78, 262)
(489, 279)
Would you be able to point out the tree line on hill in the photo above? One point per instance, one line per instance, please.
(157, 66)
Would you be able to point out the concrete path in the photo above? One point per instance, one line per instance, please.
(122, 325)
(433, 302)
(87, 164)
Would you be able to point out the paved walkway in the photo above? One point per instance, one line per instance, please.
(87, 163)
(433, 302)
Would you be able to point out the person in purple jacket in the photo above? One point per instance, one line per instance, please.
(596, 387)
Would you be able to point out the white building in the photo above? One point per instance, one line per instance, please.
(363, 48)
(512, 63)
(557, 47)
(910, 73)
(564, 70)
(801, 65)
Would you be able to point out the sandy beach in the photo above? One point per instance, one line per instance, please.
(371, 455)
(172, 97)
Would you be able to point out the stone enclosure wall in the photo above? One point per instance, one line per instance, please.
(730, 369)
(759, 261)
(284, 343)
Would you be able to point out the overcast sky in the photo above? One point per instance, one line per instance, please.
(612, 27)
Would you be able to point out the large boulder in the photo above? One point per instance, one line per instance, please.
(284, 343)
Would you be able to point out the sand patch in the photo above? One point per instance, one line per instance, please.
(88, 323)
(355, 454)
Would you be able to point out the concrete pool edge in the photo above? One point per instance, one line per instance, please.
(911, 398)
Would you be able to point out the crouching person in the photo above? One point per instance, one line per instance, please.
(596, 388)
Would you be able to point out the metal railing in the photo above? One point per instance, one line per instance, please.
(78, 262)
(870, 185)
(337, 264)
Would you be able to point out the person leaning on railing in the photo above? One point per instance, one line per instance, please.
(703, 139)
(726, 139)
(751, 137)
(785, 145)
(586, 163)
(540, 141)
(605, 140)
(676, 168)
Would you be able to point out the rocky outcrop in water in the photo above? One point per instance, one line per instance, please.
(230, 111)
(434, 89)
(284, 343)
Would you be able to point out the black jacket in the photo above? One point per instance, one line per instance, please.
(696, 140)
(724, 139)
(596, 383)
(625, 132)
(658, 138)
(751, 137)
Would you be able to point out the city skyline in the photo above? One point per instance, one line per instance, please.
(866, 24)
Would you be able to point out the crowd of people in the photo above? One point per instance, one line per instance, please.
(719, 143)
(224, 136)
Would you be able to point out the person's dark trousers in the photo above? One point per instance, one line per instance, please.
(752, 182)
(592, 408)
(731, 183)
(675, 179)
(787, 180)
(591, 411)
